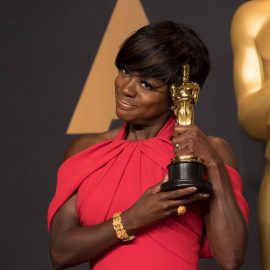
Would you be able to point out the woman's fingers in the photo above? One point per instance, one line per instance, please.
(178, 193)
(188, 200)
(157, 188)
(180, 129)
(191, 141)
(155, 205)
(194, 198)
(185, 145)
(173, 205)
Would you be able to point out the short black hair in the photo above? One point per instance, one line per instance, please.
(159, 50)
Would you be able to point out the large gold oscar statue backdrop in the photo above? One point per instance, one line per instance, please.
(250, 34)
(96, 109)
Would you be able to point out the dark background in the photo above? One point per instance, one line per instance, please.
(46, 52)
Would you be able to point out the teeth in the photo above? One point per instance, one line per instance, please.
(126, 103)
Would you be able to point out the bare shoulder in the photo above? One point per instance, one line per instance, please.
(224, 150)
(81, 143)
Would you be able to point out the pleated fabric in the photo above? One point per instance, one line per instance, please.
(110, 176)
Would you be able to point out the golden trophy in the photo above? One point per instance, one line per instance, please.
(186, 171)
(251, 73)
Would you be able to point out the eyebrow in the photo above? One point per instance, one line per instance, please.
(136, 73)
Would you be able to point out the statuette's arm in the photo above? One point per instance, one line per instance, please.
(252, 90)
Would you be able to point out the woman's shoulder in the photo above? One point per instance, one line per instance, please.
(224, 150)
(81, 143)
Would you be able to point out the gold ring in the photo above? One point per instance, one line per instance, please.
(181, 210)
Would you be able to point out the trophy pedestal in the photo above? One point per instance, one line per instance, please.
(185, 174)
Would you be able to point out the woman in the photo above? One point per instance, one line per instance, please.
(122, 170)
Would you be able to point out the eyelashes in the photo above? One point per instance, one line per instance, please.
(124, 72)
(146, 85)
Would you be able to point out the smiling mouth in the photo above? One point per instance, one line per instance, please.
(125, 105)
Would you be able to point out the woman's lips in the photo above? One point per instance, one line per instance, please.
(125, 105)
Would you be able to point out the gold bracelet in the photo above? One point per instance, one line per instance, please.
(121, 233)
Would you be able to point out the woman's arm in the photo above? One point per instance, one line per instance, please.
(72, 244)
(225, 226)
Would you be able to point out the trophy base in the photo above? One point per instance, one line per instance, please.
(187, 174)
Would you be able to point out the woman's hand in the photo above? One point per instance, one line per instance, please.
(154, 206)
(227, 237)
(190, 140)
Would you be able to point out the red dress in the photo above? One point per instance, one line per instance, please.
(110, 176)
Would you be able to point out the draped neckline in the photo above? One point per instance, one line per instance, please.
(164, 133)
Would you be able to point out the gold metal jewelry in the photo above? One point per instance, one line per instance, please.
(181, 210)
(121, 232)
(190, 158)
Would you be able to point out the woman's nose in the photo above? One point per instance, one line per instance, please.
(129, 88)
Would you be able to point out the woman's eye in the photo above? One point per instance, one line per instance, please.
(124, 71)
(146, 85)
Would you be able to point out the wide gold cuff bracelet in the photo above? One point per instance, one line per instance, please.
(121, 233)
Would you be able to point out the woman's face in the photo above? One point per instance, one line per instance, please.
(141, 101)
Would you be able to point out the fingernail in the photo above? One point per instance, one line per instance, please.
(205, 195)
(193, 189)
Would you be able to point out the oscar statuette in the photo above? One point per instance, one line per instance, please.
(186, 171)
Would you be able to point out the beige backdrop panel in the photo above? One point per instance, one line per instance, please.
(96, 108)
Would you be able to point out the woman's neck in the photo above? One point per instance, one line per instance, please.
(144, 132)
